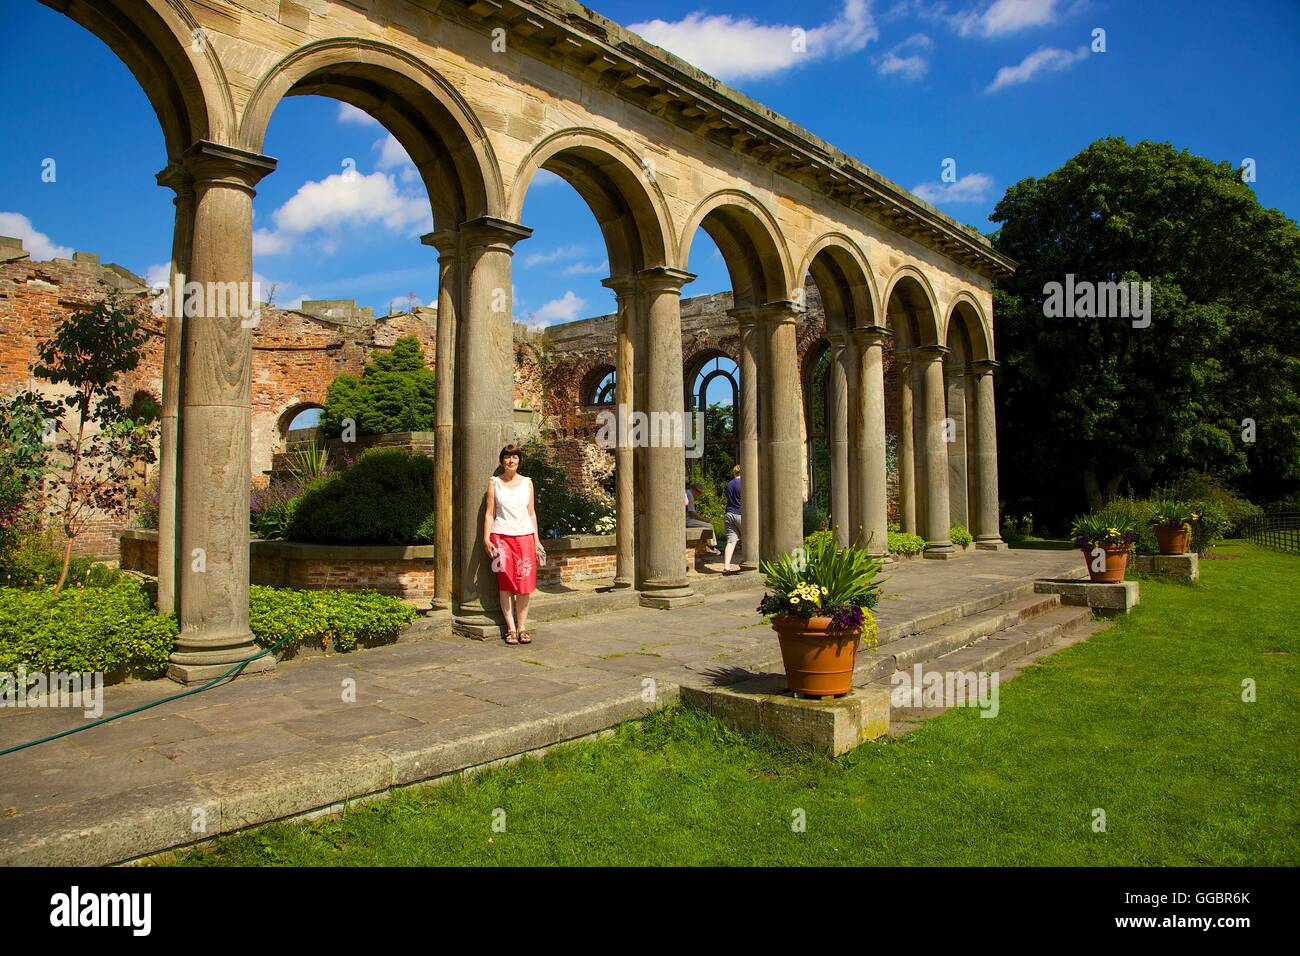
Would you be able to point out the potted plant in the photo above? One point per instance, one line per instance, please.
(819, 603)
(1106, 541)
(1172, 524)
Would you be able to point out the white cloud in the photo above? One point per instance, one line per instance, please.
(391, 153)
(358, 117)
(158, 275)
(973, 187)
(1044, 59)
(343, 199)
(586, 268)
(909, 67)
(37, 244)
(738, 49)
(1006, 16)
(555, 255)
(564, 309)
(544, 177)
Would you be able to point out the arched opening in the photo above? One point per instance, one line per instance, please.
(820, 431)
(713, 391)
(601, 386)
(967, 344)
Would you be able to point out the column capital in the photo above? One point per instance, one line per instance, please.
(985, 366)
(871, 334)
(621, 285)
(211, 164)
(491, 231)
(177, 178)
(838, 338)
(663, 279)
(931, 353)
(781, 312)
(746, 316)
(444, 240)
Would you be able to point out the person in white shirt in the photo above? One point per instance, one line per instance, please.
(511, 542)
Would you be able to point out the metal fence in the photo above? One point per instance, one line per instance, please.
(1280, 530)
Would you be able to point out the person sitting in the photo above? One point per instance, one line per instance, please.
(696, 520)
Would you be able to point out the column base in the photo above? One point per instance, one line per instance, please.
(942, 552)
(620, 583)
(669, 595)
(202, 673)
(199, 661)
(470, 620)
(885, 558)
(997, 544)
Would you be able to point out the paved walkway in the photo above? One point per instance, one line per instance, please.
(320, 731)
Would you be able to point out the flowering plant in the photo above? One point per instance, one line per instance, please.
(1173, 514)
(822, 579)
(1102, 530)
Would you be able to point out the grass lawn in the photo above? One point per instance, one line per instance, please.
(1144, 721)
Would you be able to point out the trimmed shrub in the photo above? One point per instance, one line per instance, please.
(386, 497)
(395, 393)
(959, 536)
(344, 618)
(108, 629)
(900, 542)
(560, 506)
(1209, 494)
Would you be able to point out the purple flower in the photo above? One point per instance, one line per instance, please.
(847, 617)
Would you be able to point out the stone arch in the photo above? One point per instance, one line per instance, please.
(966, 315)
(290, 412)
(750, 240)
(911, 308)
(594, 377)
(630, 209)
(163, 46)
(420, 107)
(845, 281)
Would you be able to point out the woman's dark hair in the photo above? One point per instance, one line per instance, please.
(511, 449)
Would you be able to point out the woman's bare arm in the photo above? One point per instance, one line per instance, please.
(488, 514)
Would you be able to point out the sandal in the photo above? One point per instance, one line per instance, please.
(510, 637)
(525, 637)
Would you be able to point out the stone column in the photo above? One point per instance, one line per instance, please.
(177, 178)
(988, 525)
(954, 376)
(447, 242)
(907, 517)
(665, 584)
(837, 428)
(872, 492)
(624, 455)
(751, 484)
(937, 522)
(485, 363)
(216, 410)
(782, 445)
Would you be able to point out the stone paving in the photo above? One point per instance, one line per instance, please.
(291, 741)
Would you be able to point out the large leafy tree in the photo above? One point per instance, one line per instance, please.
(1096, 406)
(395, 393)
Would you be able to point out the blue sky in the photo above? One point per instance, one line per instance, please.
(1005, 89)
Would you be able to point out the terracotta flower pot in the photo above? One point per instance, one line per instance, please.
(1116, 562)
(1172, 540)
(818, 659)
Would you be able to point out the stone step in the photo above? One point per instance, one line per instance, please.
(935, 641)
(1005, 647)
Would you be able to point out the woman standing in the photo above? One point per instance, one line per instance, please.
(731, 520)
(511, 542)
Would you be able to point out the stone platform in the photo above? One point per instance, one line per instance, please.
(1101, 597)
(1178, 567)
(315, 734)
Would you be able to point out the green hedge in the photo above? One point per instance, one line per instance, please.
(395, 393)
(900, 542)
(345, 618)
(959, 536)
(84, 629)
(386, 497)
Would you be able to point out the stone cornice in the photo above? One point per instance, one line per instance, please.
(580, 41)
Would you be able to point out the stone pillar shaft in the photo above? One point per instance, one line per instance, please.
(782, 446)
(907, 510)
(937, 520)
(450, 254)
(216, 410)
(751, 484)
(956, 405)
(485, 362)
(664, 584)
(872, 491)
(987, 531)
(837, 428)
(624, 454)
(181, 182)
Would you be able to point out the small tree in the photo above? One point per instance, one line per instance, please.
(22, 465)
(96, 453)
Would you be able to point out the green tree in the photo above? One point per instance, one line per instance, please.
(395, 393)
(1094, 404)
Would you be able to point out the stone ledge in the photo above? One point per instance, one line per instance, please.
(763, 705)
(1101, 597)
(1182, 567)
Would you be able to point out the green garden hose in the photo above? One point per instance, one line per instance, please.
(135, 710)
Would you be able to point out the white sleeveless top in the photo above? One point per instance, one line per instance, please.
(511, 515)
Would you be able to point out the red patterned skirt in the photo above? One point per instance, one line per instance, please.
(515, 562)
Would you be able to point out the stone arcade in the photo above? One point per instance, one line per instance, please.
(657, 149)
